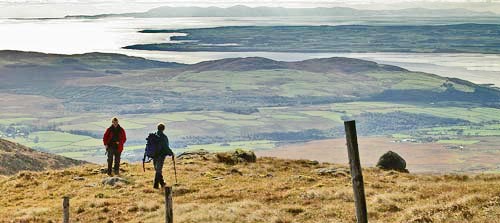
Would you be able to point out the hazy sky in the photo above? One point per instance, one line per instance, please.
(58, 8)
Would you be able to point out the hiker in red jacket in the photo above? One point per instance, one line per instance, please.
(113, 139)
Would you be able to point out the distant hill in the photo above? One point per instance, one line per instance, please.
(15, 157)
(20, 68)
(450, 38)
(101, 81)
(245, 11)
(86, 61)
(323, 65)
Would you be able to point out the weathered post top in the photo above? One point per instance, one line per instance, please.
(356, 174)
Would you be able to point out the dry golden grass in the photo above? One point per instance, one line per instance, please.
(271, 190)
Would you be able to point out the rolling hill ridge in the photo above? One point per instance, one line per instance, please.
(238, 102)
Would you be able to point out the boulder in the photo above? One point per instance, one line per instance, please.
(392, 161)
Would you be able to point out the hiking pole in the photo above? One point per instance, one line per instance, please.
(175, 170)
(143, 161)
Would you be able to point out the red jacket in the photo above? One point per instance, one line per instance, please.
(108, 135)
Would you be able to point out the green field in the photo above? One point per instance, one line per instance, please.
(459, 142)
(231, 125)
(9, 121)
(474, 130)
(58, 142)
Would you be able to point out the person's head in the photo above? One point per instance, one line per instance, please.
(114, 121)
(161, 127)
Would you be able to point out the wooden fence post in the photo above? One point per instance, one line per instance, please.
(169, 215)
(357, 176)
(66, 209)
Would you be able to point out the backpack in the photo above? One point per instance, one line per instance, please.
(153, 147)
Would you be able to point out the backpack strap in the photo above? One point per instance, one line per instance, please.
(144, 161)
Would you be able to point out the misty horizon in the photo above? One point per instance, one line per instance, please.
(55, 9)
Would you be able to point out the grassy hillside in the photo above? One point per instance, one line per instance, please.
(271, 190)
(15, 158)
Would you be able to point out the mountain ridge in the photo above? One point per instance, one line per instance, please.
(262, 11)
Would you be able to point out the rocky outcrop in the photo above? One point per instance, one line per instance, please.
(237, 156)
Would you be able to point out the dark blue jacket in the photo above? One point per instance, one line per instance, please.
(165, 147)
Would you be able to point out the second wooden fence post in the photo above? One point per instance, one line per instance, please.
(169, 214)
(66, 209)
(357, 176)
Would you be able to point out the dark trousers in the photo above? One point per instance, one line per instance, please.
(113, 154)
(158, 164)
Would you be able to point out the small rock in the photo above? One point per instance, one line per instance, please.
(80, 210)
(91, 185)
(334, 171)
(192, 154)
(79, 178)
(305, 178)
(133, 209)
(308, 162)
(314, 162)
(112, 181)
(269, 175)
(236, 171)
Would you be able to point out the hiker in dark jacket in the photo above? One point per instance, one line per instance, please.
(160, 159)
(113, 139)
